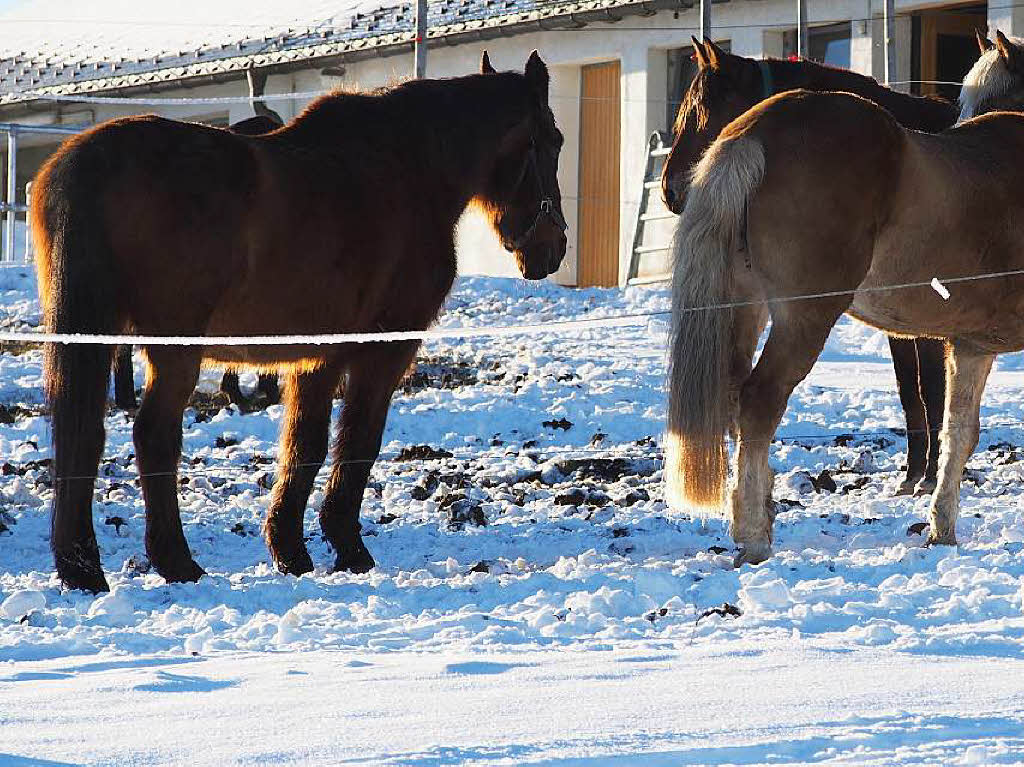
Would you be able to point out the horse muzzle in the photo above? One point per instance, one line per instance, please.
(675, 198)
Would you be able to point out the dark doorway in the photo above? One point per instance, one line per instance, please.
(945, 48)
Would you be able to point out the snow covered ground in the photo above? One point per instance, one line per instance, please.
(535, 600)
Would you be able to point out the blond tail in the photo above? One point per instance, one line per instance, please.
(696, 461)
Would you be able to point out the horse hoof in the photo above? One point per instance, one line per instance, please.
(925, 487)
(297, 564)
(907, 487)
(184, 572)
(78, 567)
(752, 554)
(83, 579)
(354, 559)
(946, 539)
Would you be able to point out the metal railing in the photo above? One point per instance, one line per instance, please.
(9, 205)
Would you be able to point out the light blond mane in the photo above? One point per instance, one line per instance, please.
(988, 78)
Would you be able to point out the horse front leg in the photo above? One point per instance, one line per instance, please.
(304, 438)
(171, 377)
(795, 341)
(905, 366)
(374, 372)
(967, 370)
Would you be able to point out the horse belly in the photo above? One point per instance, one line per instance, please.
(270, 356)
(973, 312)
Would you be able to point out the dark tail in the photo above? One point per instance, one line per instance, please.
(77, 287)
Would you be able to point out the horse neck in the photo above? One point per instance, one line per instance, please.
(918, 112)
(485, 110)
(444, 134)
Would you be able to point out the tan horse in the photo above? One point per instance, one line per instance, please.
(828, 195)
(725, 87)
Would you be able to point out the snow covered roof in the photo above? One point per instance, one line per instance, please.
(87, 46)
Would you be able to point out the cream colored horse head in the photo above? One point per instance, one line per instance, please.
(996, 81)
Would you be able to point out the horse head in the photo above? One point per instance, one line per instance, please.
(996, 81)
(522, 195)
(724, 87)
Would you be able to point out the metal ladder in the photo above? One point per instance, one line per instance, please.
(647, 241)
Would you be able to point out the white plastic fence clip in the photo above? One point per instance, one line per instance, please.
(939, 288)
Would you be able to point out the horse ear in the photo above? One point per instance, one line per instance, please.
(984, 44)
(485, 65)
(537, 75)
(1011, 53)
(715, 54)
(699, 53)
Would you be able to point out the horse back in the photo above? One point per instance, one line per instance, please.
(955, 214)
(830, 158)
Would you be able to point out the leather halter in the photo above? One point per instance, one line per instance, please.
(767, 80)
(545, 208)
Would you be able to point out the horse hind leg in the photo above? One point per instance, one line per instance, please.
(931, 355)
(170, 379)
(268, 392)
(304, 437)
(797, 337)
(230, 386)
(77, 384)
(124, 379)
(967, 371)
(748, 323)
(905, 366)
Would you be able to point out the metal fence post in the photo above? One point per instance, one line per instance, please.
(705, 19)
(420, 51)
(28, 232)
(11, 198)
(889, 36)
(10, 205)
(801, 30)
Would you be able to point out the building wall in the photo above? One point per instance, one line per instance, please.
(753, 28)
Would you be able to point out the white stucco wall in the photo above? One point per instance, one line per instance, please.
(753, 27)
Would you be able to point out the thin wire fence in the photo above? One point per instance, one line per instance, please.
(539, 453)
(309, 95)
(494, 331)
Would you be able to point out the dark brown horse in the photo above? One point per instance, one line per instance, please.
(725, 87)
(342, 221)
(828, 196)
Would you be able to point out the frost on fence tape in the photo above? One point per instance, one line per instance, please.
(629, 320)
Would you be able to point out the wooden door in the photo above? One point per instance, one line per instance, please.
(948, 48)
(597, 260)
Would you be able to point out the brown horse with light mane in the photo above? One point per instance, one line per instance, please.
(725, 87)
(827, 195)
(341, 221)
